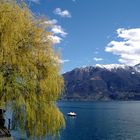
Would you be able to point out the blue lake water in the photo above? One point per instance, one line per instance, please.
(101, 120)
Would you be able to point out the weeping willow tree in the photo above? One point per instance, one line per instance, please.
(30, 77)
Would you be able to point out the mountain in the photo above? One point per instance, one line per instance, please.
(103, 82)
(137, 67)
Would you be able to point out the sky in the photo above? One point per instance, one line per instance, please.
(90, 32)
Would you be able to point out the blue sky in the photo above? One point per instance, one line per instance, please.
(90, 32)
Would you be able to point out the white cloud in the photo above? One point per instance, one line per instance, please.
(58, 32)
(62, 13)
(128, 49)
(57, 29)
(55, 39)
(64, 61)
(97, 59)
(51, 22)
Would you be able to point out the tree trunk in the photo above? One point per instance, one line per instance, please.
(2, 120)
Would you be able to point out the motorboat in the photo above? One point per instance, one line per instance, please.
(72, 114)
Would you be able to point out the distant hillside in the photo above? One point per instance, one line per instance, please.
(103, 82)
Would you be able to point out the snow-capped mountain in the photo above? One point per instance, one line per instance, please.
(113, 66)
(103, 82)
(137, 67)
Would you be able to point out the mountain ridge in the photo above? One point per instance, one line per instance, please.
(118, 82)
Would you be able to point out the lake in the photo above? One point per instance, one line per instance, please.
(101, 120)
